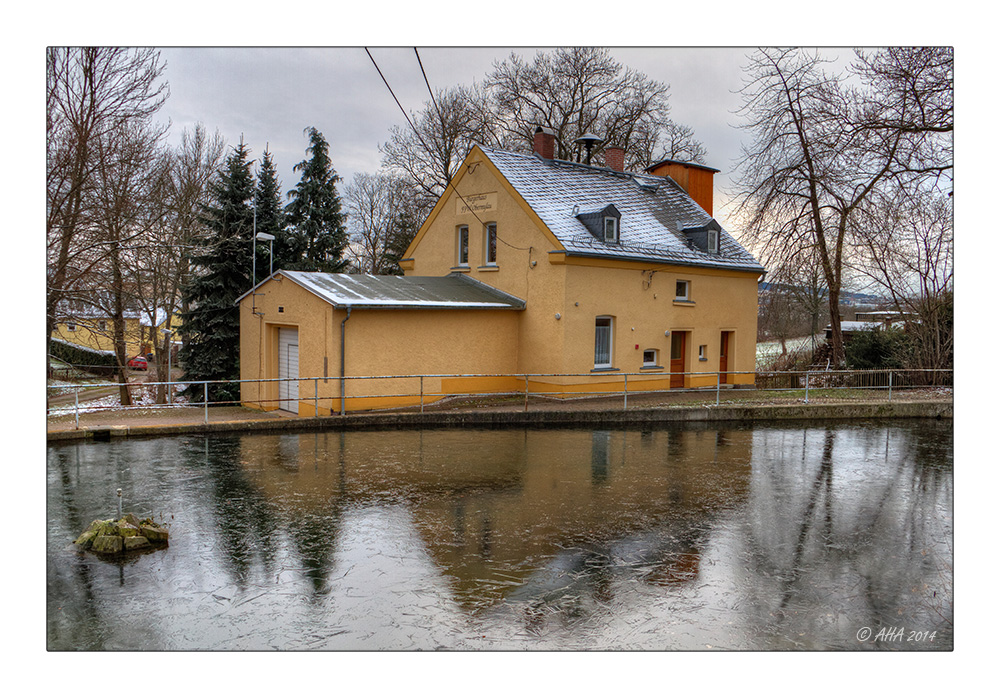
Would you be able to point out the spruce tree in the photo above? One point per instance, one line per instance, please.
(221, 269)
(317, 231)
(270, 220)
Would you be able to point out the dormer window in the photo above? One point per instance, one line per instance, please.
(703, 237)
(605, 225)
(610, 229)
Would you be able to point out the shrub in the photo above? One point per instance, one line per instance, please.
(878, 348)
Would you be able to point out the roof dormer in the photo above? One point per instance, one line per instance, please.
(705, 237)
(605, 225)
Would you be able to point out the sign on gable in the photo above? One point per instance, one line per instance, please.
(476, 203)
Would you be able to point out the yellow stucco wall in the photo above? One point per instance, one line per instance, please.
(529, 265)
(639, 295)
(378, 342)
(88, 333)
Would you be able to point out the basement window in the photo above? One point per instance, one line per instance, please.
(649, 358)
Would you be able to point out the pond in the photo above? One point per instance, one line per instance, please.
(767, 538)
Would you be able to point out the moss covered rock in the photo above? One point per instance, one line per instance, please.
(136, 542)
(110, 545)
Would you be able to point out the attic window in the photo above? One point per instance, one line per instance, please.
(610, 229)
(713, 241)
(604, 225)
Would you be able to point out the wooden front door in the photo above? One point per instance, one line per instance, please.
(677, 351)
(724, 358)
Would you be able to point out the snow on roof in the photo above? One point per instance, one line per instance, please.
(455, 291)
(653, 210)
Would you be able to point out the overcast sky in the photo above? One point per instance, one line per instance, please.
(270, 95)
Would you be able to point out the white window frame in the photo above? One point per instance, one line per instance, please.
(713, 241)
(654, 361)
(71, 327)
(490, 241)
(614, 229)
(463, 248)
(702, 352)
(687, 290)
(599, 324)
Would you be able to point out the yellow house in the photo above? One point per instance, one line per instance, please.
(612, 276)
(92, 327)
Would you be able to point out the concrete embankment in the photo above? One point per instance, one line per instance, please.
(745, 414)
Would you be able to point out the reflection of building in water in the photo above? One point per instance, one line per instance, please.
(495, 508)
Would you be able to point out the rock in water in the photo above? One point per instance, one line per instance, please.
(136, 542)
(107, 544)
(127, 530)
(154, 534)
(86, 539)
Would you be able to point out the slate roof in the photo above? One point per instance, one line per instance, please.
(653, 210)
(455, 291)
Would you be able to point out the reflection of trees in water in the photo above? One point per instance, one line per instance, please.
(870, 547)
(244, 518)
(84, 634)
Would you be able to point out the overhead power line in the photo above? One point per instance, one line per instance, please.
(420, 138)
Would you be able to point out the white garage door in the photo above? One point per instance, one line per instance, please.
(288, 367)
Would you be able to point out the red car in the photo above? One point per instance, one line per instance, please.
(138, 363)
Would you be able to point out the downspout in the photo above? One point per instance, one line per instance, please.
(343, 383)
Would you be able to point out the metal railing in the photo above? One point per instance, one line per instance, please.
(701, 387)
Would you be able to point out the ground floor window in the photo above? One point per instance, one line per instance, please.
(602, 342)
(649, 357)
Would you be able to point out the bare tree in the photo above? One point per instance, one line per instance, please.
(91, 93)
(574, 91)
(907, 252)
(429, 153)
(125, 182)
(821, 151)
(383, 219)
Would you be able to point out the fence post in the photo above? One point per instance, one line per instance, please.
(76, 405)
(718, 386)
(421, 394)
(807, 387)
(525, 392)
(315, 397)
(890, 385)
(206, 402)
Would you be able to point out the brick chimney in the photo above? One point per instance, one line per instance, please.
(545, 143)
(614, 158)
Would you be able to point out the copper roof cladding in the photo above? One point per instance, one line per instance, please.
(455, 291)
(651, 208)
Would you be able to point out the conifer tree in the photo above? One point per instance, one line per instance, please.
(317, 232)
(270, 219)
(221, 273)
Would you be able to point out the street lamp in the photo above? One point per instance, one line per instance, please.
(262, 237)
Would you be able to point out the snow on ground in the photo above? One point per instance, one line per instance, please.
(141, 397)
(769, 350)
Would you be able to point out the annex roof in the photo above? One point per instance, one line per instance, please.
(654, 211)
(455, 291)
